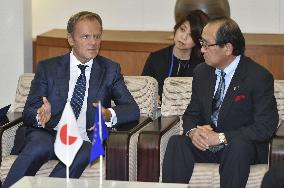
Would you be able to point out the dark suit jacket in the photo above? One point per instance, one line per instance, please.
(106, 84)
(249, 108)
(159, 62)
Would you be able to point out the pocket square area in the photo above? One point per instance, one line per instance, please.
(238, 98)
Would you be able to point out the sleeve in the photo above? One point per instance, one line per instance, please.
(192, 115)
(126, 108)
(148, 69)
(113, 119)
(34, 101)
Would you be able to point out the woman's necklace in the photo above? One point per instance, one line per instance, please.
(182, 63)
(179, 63)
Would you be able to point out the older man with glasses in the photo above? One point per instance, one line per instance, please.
(232, 114)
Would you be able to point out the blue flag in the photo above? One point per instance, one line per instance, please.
(98, 136)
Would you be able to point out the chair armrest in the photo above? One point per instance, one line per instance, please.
(280, 130)
(277, 150)
(151, 146)
(117, 149)
(8, 127)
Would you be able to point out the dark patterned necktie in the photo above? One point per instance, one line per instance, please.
(79, 92)
(218, 98)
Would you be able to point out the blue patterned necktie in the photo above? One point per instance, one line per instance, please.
(79, 92)
(218, 98)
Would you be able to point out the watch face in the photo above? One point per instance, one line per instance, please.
(221, 138)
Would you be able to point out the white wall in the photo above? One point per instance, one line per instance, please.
(253, 16)
(16, 45)
(17, 27)
(258, 16)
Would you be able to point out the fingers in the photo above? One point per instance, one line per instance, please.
(205, 127)
(41, 116)
(211, 136)
(44, 112)
(106, 113)
(199, 139)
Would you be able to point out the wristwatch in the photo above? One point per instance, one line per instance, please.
(222, 138)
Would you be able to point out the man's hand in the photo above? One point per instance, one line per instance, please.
(106, 113)
(199, 138)
(213, 137)
(203, 137)
(44, 112)
(205, 127)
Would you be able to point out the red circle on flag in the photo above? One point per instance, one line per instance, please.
(63, 136)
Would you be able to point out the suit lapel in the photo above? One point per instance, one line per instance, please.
(97, 73)
(232, 91)
(96, 78)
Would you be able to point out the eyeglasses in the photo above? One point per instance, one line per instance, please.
(205, 45)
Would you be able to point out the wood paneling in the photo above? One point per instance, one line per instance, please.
(131, 48)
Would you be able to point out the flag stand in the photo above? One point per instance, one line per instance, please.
(101, 171)
(99, 135)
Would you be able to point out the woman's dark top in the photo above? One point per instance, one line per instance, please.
(158, 66)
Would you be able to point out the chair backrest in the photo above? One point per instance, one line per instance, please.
(176, 95)
(22, 92)
(144, 90)
(279, 95)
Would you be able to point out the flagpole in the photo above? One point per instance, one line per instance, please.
(67, 176)
(101, 171)
(101, 138)
(67, 166)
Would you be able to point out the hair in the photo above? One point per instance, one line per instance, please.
(197, 20)
(83, 15)
(229, 32)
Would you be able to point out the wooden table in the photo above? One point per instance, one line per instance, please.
(46, 182)
(131, 48)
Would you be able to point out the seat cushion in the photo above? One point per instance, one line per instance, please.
(90, 172)
(207, 175)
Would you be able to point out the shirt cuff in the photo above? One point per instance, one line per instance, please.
(38, 123)
(113, 119)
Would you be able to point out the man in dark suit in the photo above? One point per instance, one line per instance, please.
(57, 82)
(274, 177)
(232, 114)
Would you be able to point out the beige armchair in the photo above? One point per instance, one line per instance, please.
(153, 138)
(144, 89)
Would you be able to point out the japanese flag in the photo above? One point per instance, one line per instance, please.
(68, 139)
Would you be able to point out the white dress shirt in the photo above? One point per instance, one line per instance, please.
(74, 74)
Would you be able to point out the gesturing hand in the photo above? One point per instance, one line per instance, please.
(106, 112)
(44, 112)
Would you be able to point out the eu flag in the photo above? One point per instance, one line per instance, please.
(100, 134)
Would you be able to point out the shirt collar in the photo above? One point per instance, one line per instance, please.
(74, 62)
(231, 68)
